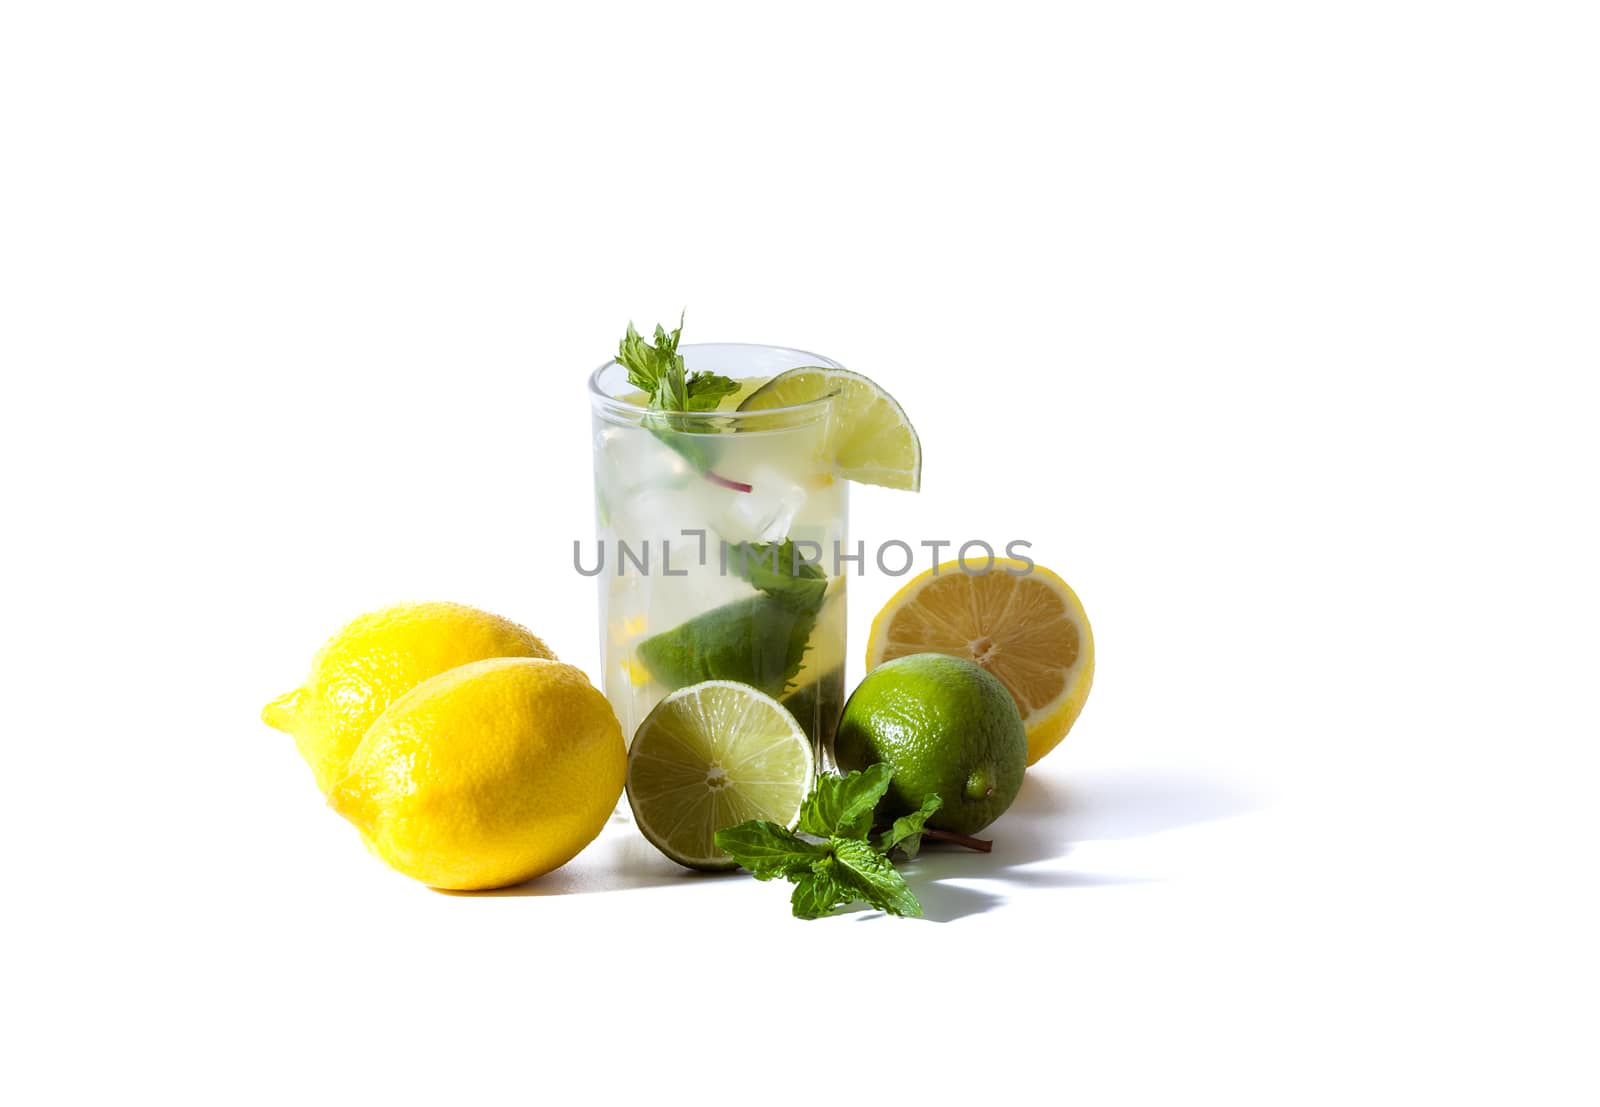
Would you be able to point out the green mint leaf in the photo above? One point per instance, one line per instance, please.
(634, 355)
(768, 850)
(669, 342)
(841, 807)
(657, 371)
(819, 891)
(672, 393)
(704, 391)
(906, 833)
(845, 867)
(819, 814)
(776, 569)
(869, 874)
(646, 364)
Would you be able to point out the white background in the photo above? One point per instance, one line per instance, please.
(1272, 326)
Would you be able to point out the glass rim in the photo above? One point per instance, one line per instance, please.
(615, 405)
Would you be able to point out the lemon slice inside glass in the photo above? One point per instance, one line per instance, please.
(709, 757)
(870, 438)
(1024, 625)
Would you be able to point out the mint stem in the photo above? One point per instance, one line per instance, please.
(981, 845)
(736, 485)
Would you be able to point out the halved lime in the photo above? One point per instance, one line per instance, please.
(709, 757)
(871, 439)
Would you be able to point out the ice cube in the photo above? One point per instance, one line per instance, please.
(631, 458)
(763, 514)
(646, 514)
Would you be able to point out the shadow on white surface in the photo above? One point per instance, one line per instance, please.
(1113, 806)
(1030, 842)
(618, 860)
(944, 901)
(1047, 820)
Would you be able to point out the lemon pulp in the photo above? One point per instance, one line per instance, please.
(1026, 626)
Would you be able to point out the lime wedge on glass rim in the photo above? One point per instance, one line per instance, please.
(871, 439)
(709, 757)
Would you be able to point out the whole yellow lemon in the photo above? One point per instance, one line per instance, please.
(490, 774)
(375, 660)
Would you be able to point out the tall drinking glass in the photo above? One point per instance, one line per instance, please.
(717, 540)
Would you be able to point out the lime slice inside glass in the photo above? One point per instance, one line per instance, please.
(871, 439)
(709, 757)
(757, 641)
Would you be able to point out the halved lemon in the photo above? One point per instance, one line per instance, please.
(1024, 625)
(871, 439)
(709, 757)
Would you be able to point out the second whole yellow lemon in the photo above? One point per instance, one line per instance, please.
(376, 659)
(488, 775)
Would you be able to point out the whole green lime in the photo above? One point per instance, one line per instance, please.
(943, 725)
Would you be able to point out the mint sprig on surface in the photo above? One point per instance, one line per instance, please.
(847, 864)
(906, 833)
(842, 805)
(658, 372)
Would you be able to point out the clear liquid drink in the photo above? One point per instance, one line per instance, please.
(717, 540)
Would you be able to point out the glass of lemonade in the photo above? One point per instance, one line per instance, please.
(718, 539)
